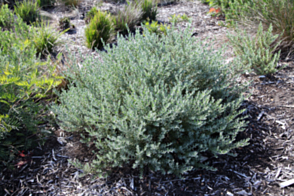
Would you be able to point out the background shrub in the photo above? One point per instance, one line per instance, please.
(149, 9)
(174, 19)
(279, 14)
(128, 17)
(90, 14)
(153, 102)
(100, 28)
(46, 3)
(234, 10)
(74, 3)
(27, 10)
(257, 53)
(10, 3)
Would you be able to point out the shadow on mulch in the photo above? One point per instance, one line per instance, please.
(233, 173)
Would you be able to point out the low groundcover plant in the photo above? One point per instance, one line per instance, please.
(155, 102)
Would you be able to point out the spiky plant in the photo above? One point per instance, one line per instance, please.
(99, 30)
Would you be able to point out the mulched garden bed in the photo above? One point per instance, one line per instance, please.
(258, 169)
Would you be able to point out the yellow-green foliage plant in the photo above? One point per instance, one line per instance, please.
(156, 28)
(99, 30)
(6, 18)
(90, 14)
(24, 78)
(28, 11)
(257, 53)
(127, 18)
(154, 102)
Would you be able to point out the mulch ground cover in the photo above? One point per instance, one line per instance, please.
(262, 168)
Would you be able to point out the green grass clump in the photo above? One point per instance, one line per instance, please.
(28, 11)
(127, 18)
(149, 9)
(45, 39)
(6, 18)
(154, 102)
(100, 28)
(257, 53)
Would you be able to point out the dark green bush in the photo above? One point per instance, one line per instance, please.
(234, 10)
(46, 3)
(27, 10)
(149, 9)
(100, 28)
(156, 102)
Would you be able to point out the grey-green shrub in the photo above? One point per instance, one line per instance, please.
(100, 28)
(257, 53)
(156, 102)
